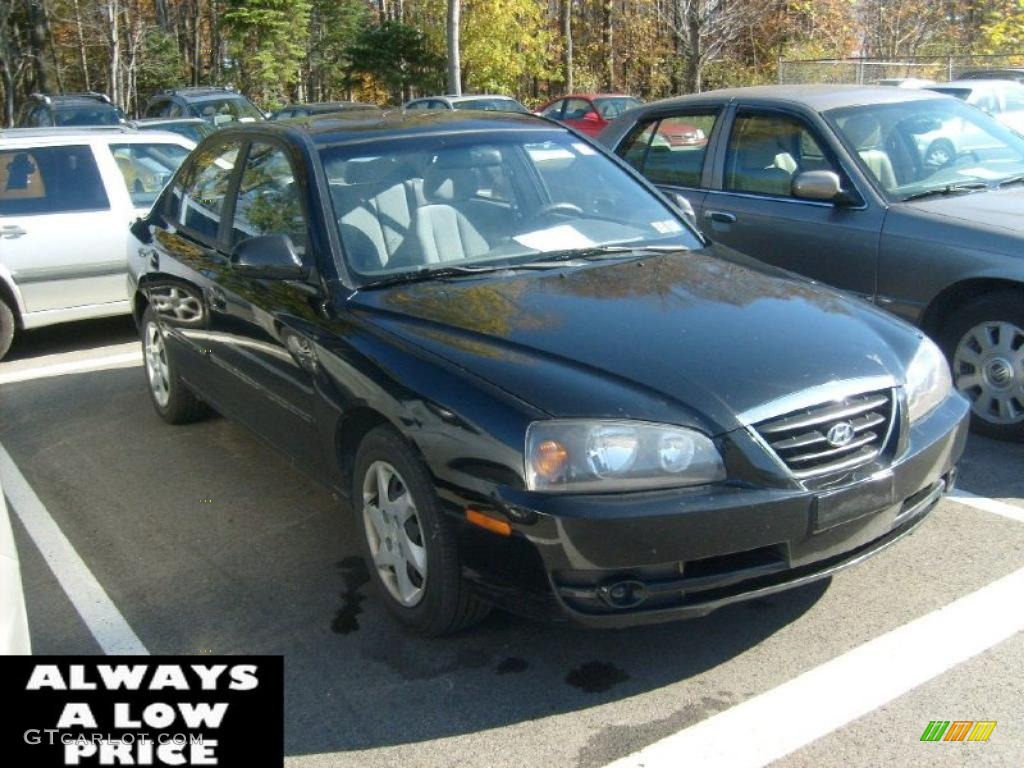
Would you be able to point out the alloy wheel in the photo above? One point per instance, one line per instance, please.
(157, 369)
(988, 369)
(394, 533)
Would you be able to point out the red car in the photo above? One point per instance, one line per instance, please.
(589, 112)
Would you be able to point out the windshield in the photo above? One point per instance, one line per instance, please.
(101, 114)
(193, 131)
(226, 109)
(500, 199)
(916, 147)
(491, 105)
(613, 106)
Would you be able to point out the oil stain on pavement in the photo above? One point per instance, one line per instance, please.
(596, 677)
(354, 574)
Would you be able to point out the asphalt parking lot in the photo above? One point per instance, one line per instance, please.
(206, 540)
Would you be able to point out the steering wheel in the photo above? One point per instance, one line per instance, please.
(555, 209)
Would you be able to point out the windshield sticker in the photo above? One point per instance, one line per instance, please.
(583, 149)
(981, 173)
(561, 238)
(540, 155)
(664, 227)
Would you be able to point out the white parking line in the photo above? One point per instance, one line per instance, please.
(775, 723)
(121, 360)
(92, 602)
(986, 504)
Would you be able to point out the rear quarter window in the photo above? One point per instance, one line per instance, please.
(39, 180)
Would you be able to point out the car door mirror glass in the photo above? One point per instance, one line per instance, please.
(817, 185)
(268, 257)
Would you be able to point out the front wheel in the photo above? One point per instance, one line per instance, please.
(6, 328)
(984, 342)
(173, 400)
(408, 545)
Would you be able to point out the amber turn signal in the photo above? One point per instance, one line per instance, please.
(550, 458)
(491, 524)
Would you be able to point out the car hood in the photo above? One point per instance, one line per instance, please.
(995, 209)
(687, 338)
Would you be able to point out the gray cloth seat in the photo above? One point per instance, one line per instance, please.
(865, 133)
(375, 205)
(444, 232)
(762, 166)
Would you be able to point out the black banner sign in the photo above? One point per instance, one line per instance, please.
(225, 711)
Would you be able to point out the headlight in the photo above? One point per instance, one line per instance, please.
(928, 380)
(586, 456)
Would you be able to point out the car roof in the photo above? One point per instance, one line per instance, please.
(470, 96)
(71, 132)
(579, 95)
(816, 96)
(85, 135)
(364, 125)
(167, 121)
(978, 83)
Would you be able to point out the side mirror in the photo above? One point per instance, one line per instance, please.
(268, 257)
(682, 204)
(817, 185)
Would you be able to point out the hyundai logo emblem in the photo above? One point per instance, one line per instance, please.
(840, 434)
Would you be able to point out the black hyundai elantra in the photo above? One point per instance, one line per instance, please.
(537, 386)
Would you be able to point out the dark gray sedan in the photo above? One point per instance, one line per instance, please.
(914, 201)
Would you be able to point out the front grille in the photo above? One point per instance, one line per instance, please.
(801, 439)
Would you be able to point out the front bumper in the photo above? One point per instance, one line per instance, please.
(619, 560)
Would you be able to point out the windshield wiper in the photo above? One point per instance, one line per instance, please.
(950, 189)
(1010, 181)
(593, 251)
(439, 273)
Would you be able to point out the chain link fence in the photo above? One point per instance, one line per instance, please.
(867, 71)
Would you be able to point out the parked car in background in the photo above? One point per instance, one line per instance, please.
(999, 73)
(536, 385)
(1003, 99)
(192, 128)
(67, 198)
(588, 113)
(216, 106)
(906, 82)
(68, 109)
(488, 102)
(837, 183)
(322, 107)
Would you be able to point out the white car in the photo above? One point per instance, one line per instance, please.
(67, 198)
(1003, 99)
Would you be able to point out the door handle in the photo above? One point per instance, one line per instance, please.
(721, 217)
(11, 231)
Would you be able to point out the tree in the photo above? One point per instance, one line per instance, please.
(267, 39)
(397, 56)
(704, 29)
(454, 60)
(567, 45)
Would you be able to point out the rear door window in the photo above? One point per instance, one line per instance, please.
(671, 150)
(41, 180)
(146, 168)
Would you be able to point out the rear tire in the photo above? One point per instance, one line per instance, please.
(7, 326)
(404, 528)
(174, 402)
(984, 342)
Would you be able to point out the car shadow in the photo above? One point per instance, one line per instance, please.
(209, 542)
(71, 337)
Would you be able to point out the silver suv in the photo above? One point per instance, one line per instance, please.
(67, 198)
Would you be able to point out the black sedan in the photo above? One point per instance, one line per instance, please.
(537, 386)
(910, 199)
